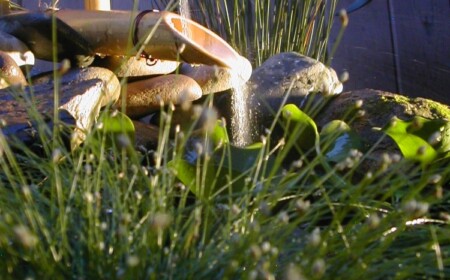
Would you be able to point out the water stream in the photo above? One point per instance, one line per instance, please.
(185, 12)
(240, 116)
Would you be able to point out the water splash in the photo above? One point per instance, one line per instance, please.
(240, 112)
(240, 115)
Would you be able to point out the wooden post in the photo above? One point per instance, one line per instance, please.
(4, 7)
(97, 5)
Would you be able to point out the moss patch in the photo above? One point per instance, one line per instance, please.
(438, 110)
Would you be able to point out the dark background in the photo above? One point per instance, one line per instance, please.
(399, 46)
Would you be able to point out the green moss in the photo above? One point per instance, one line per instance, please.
(396, 98)
(417, 106)
(389, 103)
(440, 110)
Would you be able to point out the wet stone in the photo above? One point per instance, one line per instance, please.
(214, 79)
(146, 135)
(289, 74)
(146, 96)
(15, 48)
(263, 95)
(378, 108)
(111, 85)
(10, 72)
(80, 101)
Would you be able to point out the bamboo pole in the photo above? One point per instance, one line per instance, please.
(97, 5)
(4, 7)
(161, 34)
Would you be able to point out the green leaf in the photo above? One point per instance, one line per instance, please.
(193, 177)
(219, 134)
(228, 166)
(300, 126)
(115, 125)
(239, 159)
(337, 139)
(414, 138)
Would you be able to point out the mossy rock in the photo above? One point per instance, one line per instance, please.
(376, 111)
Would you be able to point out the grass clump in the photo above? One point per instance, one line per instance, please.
(260, 29)
(111, 211)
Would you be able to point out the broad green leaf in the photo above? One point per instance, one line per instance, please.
(337, 139)
(229, 166)
(239, 159)
(300, 126)
(219, 134)
(114, 125)
(412, 137)
(445, 139)
(194, 177)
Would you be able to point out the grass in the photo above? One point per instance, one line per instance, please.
(260, 29)
(110, 211)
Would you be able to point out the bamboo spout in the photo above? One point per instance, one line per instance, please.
(166, 35)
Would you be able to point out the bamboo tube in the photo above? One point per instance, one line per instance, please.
(173, 37)
(97, 5)
(4, 7)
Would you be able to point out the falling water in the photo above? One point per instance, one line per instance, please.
(240, 115)
(185, 12)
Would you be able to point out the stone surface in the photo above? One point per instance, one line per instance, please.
(250, 110)
(81, 100)
(146, 96)
(146, 135)
(214, 79)
(74, 76)
(35, 29)
(16, 49)
(132, 67)
(277, 74)
(379, 108)
(10, 72)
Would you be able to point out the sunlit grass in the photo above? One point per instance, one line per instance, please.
(260, 29)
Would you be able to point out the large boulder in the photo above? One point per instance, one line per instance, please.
(10, 72)
(286, 77)
(367, 109)
(146, 96)
(111, 85)
(80, 99)
(214, 79)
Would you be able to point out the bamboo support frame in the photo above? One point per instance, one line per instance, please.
(161, 34)
(4, 7)
(97, 5)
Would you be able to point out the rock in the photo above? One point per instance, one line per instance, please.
(144, 97)
(16, 49)
(214, 79)
(111, 84)
(10, 73)
(379, 108)
(35, 29)
(251, 109)
(276, 75)
(132, 67)
(81, 99)
(146, 135)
